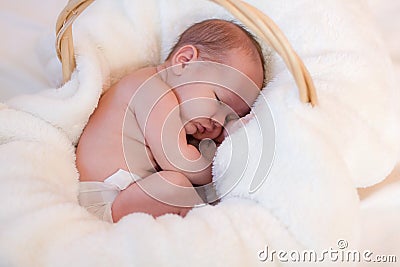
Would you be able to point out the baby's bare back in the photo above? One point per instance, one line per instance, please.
(113, 136)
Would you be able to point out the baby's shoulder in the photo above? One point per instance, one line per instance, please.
(133, 83)
(147, 87)
(138, 77)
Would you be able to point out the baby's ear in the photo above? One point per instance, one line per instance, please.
(185, 54)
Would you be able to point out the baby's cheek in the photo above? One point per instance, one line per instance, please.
(199, 108)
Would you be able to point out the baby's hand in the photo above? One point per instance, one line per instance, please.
(208, 148)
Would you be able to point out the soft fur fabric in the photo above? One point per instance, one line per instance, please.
(308, 201)
(380, 218)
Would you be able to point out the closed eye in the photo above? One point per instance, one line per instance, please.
(216, 97)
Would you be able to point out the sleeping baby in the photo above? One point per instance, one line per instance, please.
(139, 152)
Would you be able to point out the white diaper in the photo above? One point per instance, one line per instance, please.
(98, 197)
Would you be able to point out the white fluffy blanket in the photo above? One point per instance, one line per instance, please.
(309, 200)
(379, 211)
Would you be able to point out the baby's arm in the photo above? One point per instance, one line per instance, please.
(164, 133)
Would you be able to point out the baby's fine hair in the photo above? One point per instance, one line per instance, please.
(214, 38)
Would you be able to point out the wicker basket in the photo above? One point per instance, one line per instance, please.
(254, 19)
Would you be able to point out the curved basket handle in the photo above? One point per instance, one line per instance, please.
(64, 39)
(250, 16)
(269, 32)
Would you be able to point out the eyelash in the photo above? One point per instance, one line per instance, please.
(216, 97)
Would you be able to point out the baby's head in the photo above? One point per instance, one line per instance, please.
(207, 107)
(215, 39)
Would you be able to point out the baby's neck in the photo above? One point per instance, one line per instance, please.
(164, 72)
